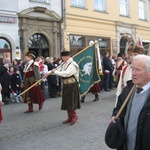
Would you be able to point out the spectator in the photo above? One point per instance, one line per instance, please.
(17, 65)
(52, 80)
(1, 103)
(5, 82)
(16, 85)
(135, 116)
(107, 70)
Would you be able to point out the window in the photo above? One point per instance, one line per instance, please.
(78, 3)
(38, 41)
(5, 49)
(142, 9)
(4, 44)
(42, 1)
(100, 5)
(124, 7)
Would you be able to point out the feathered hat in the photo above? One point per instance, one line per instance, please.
(64, 52)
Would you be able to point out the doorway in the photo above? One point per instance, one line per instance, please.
(39, 45)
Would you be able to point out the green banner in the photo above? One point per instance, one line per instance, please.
(86, 59)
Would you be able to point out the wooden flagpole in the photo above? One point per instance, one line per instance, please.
(125, 102)
(33, 85)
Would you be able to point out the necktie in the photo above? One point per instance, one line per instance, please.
(138, 90)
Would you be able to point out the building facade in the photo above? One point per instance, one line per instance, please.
(30, 25)
(114, 24)
(44, 26)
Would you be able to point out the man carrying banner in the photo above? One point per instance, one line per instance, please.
(69, 71)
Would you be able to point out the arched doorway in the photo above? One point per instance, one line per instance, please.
(125, 42)
(39, 44)
(5, 49)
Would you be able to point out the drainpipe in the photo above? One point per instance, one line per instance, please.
(63, 20)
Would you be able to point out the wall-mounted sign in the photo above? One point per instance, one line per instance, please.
(103, 44)
(7, 19)
(76, 43)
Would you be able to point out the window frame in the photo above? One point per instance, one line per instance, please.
(99, 8)
(40, 1)
(142, 10)
(76, 3)
(124, 8)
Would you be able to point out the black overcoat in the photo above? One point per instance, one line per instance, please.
(143, 125)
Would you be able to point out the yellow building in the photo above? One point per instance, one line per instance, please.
(115, 24)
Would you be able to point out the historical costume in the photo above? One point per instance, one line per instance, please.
(32, 75)
(126, 73)
(69, 71)
(119, 66)
(95, 89)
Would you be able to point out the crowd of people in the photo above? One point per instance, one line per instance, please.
(12, 74)
(119, 72)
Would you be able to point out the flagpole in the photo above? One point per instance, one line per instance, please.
(83, 50)
(33, 85)
(100, 70)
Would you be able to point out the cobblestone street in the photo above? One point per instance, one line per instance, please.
(43, 130)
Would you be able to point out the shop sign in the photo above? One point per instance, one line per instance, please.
(103, 44)
(7, 19)
(76, 43)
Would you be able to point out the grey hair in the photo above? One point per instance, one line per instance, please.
(50, 60)
(146, 60)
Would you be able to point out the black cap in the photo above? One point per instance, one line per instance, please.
(119, 55)
(65, 53)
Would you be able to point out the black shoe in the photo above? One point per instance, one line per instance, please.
(53, 96)
(6, 103)
(96, 99)
(107, 90)
(82, 101)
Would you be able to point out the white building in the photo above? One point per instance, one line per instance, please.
(30, 25)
